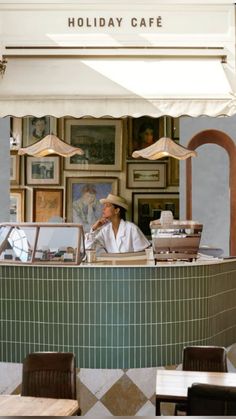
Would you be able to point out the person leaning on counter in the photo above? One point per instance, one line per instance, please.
(112, 233)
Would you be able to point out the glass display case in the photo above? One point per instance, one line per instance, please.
(41, 243)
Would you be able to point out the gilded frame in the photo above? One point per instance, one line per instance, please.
(31, 135)
(135, 130)
(83, 195)
(47, 204)
(43, 170)
(17, 205)
(14, 168)
(100, 139)
(142, 175)
(148, 206)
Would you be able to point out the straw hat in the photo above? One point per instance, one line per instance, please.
(115, 200)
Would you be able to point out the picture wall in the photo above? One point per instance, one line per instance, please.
(71, 188)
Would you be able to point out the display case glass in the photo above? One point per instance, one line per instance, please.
(41, 243)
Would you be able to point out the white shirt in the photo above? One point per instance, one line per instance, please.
(129, 238)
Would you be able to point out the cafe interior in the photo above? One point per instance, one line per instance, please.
(132, 102)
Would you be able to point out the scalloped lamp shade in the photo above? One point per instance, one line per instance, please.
(164, 147)
(50, 145)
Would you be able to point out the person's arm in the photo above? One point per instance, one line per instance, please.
(140, 242)
(94, 239)
(98, 224)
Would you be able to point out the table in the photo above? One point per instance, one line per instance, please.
(172, 385)
(14, 405)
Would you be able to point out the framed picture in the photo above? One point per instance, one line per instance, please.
(143, 132)
(47, 204)
(173, 172)
(101, 141)
(14, 168)
(148, 207)
(16, 133)
(43, 170)
(83, 195)
(17, 205)
(35, 129)
(175, 128)
(146, 175)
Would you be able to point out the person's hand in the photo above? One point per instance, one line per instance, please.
(99, 223)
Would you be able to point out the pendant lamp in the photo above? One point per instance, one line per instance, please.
(164, 147)
(50, 144)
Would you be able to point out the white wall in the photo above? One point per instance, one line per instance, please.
(210, 188)
(4, 169)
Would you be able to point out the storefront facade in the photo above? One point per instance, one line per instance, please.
(116, 63)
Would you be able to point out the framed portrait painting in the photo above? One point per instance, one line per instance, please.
(146, 175)
(143, 132)
(101, 141)
(83, 199)
(47, 204)
(35, 129)
(17, 205)
(14, 168)
(43, 170)
(148, 207)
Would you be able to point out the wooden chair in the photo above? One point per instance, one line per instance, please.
(211, 400)
(202, 358)
(205, 358)
(49, 374)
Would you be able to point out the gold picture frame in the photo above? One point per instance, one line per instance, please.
(47, 204)
(173, 172)
(148, 206)
(36, 128)
(101, 141)
(43, 170)
(14, 167)
(15, 133)
(17, 205)
(143, 131)
(146, 175)
(83, 198)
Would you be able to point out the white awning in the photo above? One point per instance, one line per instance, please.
(107, 86)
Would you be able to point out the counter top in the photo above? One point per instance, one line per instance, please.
(151, 263)
(125, 263)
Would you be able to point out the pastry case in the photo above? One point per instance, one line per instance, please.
(42, 243)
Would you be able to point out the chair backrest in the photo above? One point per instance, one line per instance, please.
(49, 374)
(205, 358)
(211, 400)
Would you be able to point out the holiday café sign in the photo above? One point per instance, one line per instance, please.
(115, 22)
(141, 25)
(194, 22)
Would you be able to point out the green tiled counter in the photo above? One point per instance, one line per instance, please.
(116, 317)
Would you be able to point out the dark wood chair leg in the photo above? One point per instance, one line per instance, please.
(158, 408)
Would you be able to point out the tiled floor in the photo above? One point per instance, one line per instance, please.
(10, 377)
(112, 392)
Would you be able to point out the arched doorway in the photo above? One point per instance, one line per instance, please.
(222, 140)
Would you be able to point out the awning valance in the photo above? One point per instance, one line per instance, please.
(107, 86)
